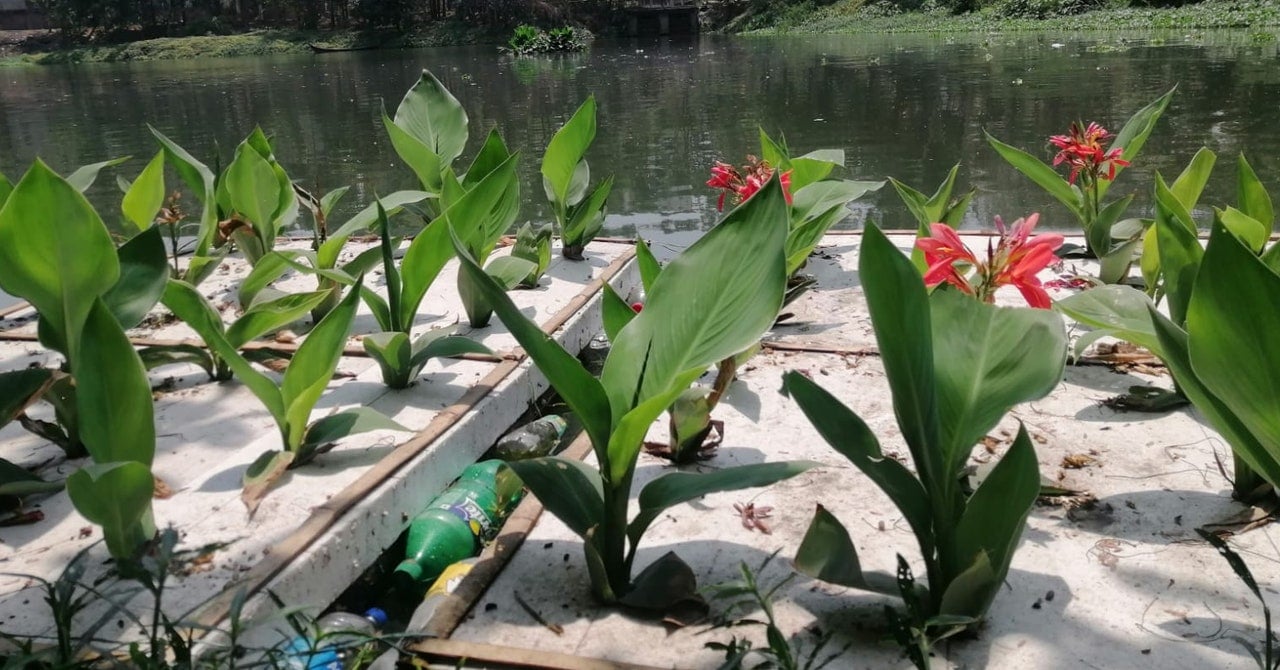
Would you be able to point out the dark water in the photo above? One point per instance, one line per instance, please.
(901, 105)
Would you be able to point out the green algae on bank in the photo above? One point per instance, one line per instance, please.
(860, 16)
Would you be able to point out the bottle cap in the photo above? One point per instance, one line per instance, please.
(377, 616)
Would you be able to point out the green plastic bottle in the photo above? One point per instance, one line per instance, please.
(457, 523)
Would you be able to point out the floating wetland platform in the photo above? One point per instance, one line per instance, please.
(1109, 574)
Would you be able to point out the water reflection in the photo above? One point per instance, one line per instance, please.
(902, 105)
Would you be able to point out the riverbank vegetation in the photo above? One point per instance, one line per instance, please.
(854, 16)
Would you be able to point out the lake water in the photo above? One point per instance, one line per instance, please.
(909, 106)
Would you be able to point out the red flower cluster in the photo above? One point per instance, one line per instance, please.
(1014, 261)
(1084, 149)
(757, 173)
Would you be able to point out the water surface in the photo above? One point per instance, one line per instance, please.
(909, 106)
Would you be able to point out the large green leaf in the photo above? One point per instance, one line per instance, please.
(588, 216)
(1043, 175)
(342, 424)
(615, 313)
(1234, 311)
(393, 355)
(813, 166)
(146, 194)
(1121, 311)
(1180, 257)
(849, 435)
(17, 482)
(986, 360)
(55, 252)
(566, 149)
(430, 114)
(711, 302)
(271, 315)
(677, 487)
(254, 192)
(418, 156)
(84, 176)
(1252, 195)
(582, 392)
(113, 395)
(1252, 232)
(995, 516)
(827, 553)
(117, 497)
(901, 318)
(1135, 132)
(648, 264)
(1190, 184)
(568, 488)
(434, 345)
(144, 271)
(312, 367)
(430, 250)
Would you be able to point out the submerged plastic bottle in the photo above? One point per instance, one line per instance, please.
(338, 635)
(536, 438)
(456, 524)
(445, 584)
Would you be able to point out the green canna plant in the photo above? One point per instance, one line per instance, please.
(256, 197)
(56, 253)
(323, 259)
(937, 208)
(566, 178)
(953, 375)
(533, 245)
(712, 301)
(429, 132)
(290, 401)
(1213, 295)
(202, 182)
(1095, 166)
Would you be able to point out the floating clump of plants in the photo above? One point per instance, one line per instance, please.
(527, 40)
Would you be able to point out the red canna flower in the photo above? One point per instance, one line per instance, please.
(729, 180)
(1084, 150)
(637, 306)
(1014, 261)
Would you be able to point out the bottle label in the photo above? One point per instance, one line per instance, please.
(471, 512)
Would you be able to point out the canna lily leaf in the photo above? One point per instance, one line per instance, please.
(391, 351)
(154, 357)
(507, 271)
(711, 302)
(1135, 132)
(312, 367)
(899, 307)
(144, 271)
(827, 553)
(1227, 322)
(1043, 175)
(431, 115)
(342, 424)
(424, 162)
(146, 195)
(1190, 184)
(674, 488)
(55, 253)
(1252, 232)
(1252, 195)
(615, 312)
(84, 176)
(570, 489)
(113, 396)
(17, 482)
(1180, 256)
(1120, 311)
(271, 315)
(588, 216)
(6, 187)
(437, 344)
(254, 192)
(261, 475)
(979, 377)
(117, 497)
(994, 518)
(561, 163)
(649, 266)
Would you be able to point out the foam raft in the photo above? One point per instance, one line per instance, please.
(322, 525)
(1111, 575)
